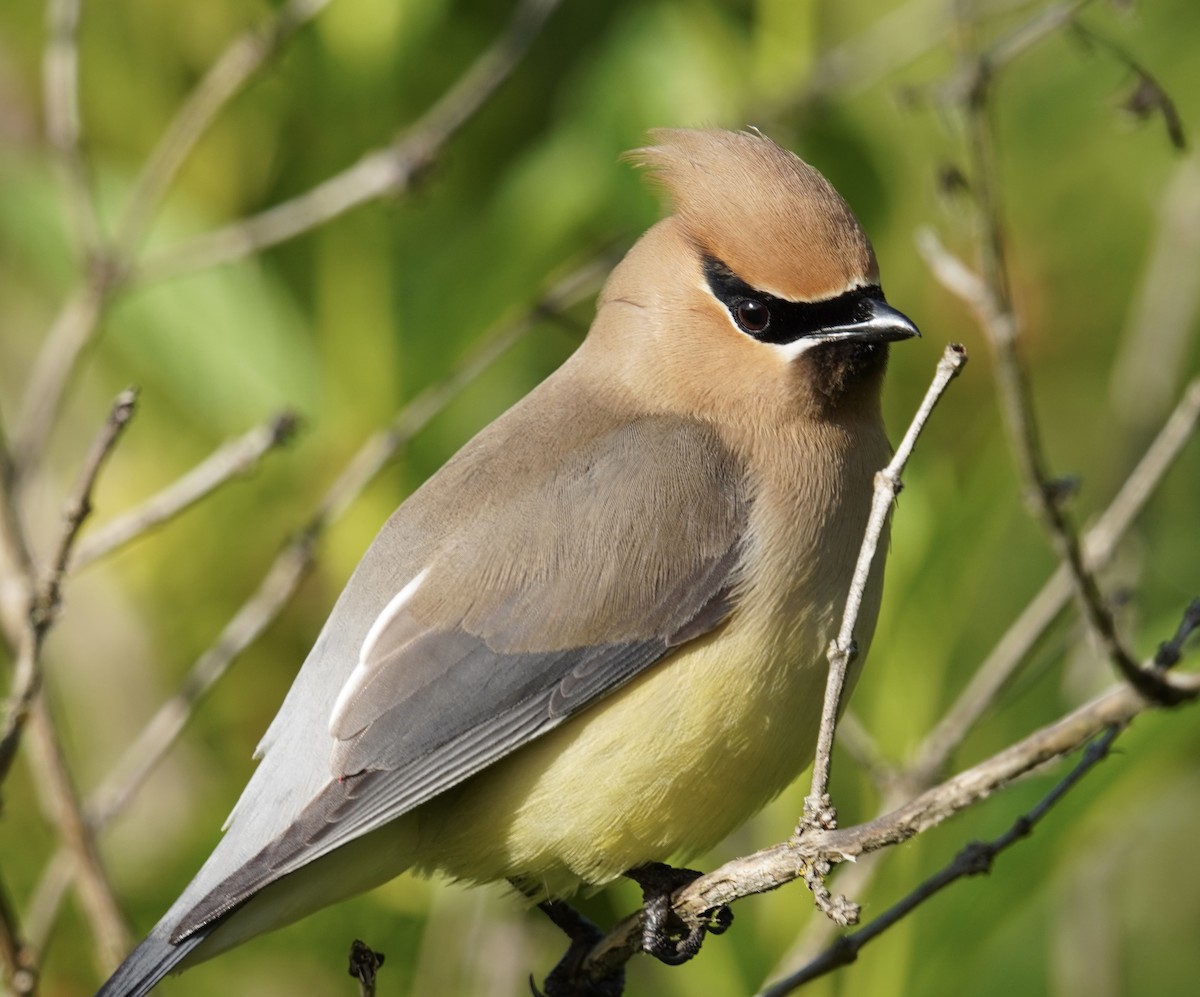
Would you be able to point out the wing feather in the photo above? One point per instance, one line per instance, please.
(558, 589)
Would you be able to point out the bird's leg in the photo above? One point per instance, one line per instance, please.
(565, 979)
(664, 934)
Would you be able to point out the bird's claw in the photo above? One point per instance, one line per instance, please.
(565, 979)
(665, 935)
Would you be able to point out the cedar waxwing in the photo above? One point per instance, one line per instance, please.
(595, 639)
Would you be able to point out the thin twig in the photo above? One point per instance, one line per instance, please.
(878, 52)
(105, 271)
(976, 858)
(998, 318)
(842, 649)
(42, 908)
(17, 958)
(60, 89)
(973, 75)
(391, 170)
(61, 803)
(1149, 97)
(25, 708)
(73, 329)
(233, 459)
(1158, 329)
(242, 58)
(1099, 545)
(932, 756)
(783, 863)
(16, 560)
(43, 610)
(364, 966)
(989, 299)
(1170, 651)
(386, 171)
(76, 322)
(113, 794)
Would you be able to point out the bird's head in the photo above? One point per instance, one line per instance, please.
(760, 290)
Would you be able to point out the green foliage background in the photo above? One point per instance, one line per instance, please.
(350, 320)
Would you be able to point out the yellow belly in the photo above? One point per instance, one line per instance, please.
(667, 766)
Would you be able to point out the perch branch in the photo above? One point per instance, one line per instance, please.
(977, 857)
(842, 649)
(783, 863)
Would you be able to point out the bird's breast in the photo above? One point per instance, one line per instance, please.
(676, 759)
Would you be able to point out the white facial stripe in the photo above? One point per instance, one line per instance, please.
(358, 677)
(789, 351)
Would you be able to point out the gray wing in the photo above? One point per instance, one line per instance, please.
(500, 621)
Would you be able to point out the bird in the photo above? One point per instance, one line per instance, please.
(594, 640)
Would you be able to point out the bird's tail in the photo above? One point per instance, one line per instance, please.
(153, 959)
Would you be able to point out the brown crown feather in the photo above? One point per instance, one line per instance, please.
(764, 212)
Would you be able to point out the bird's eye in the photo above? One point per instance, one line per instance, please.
(753, 316)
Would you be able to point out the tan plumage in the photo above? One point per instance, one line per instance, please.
(595, 638)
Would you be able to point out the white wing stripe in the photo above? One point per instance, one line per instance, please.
(362, 670)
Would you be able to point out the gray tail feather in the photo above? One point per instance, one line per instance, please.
(147, 964)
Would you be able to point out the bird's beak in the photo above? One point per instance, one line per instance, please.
(875, 322)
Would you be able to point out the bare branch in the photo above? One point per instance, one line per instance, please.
(989, 299)
(42, 908)
(247, 624)
(53, 778)
(16, 560)
(931, 758)
(391, 170)
(60, 89)
(895, 40)
(385, 444)
(978, 857)
(783, 863)
(73, 329)
(1158, 332)
(1025, 36)
(975, 858)
(1099, 545)
(842, 649)
(225, 78)
(20, 963)
(235, 458)
(364, 965)
(998, 318)
(1149, 97)
(27, 675)
(60, 802)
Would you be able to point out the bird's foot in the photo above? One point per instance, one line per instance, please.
(665, 935)
(565, 979)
